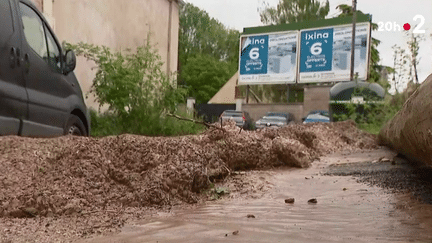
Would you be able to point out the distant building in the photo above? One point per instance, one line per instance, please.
(115, 24)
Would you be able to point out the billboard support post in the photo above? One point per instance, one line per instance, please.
(354, 8)
(247, 94)
(288, 91)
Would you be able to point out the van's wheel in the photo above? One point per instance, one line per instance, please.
(75, 127)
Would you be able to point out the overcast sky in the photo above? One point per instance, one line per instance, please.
(239, 14)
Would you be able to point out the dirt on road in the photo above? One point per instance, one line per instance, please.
(70, 188)
(343, 197)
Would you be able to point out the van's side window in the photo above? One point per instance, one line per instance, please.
(54, 58)
(39, 38)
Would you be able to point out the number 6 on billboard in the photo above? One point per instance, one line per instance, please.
(254, 53)
(316, 48)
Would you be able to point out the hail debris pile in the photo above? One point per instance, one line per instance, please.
(75, 175)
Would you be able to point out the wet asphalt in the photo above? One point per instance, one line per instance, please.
(358, 199)
(396, 176)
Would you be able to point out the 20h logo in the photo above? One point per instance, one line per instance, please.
(393, 26)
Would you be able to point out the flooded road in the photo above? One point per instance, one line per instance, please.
(346, 211)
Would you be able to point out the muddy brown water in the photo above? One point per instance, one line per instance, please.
(346, 211)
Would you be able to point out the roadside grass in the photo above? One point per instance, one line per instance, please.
(371, 128)
(108, 124)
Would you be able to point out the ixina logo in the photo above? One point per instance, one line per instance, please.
(393, 26)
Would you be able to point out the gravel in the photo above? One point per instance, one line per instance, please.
(397, 176)
(67, 188)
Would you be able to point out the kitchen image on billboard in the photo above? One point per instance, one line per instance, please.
(282, 55)
(342, 52)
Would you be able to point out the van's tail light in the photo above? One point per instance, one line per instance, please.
(244, 119)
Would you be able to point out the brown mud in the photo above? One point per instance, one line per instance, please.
(346, 210)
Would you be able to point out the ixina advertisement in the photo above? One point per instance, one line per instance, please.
(268, 59)
(325, 53)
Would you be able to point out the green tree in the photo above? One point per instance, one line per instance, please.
(205, 75)
(413, 42)
(204, 38)
(291, 11)
(400, 73)
(201, 34)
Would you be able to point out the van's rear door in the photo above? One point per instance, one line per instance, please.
(13, 95)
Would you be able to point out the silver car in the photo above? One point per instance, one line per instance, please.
(271, 122)
(241, 118)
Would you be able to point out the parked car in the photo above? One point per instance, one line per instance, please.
(289, 116)
(317, 116)
(271, 122)
(39, 93)
(242, 118)
(275, 120)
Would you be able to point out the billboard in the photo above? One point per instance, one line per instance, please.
(268, 58)
(316, 50)
(306, 56)
(325, 53)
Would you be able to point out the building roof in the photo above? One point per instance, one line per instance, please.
(226, 95)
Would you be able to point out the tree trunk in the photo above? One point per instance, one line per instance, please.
(415, 70)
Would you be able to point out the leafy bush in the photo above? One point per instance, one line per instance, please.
(371, 116)
(139, 95)
(104, 124)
